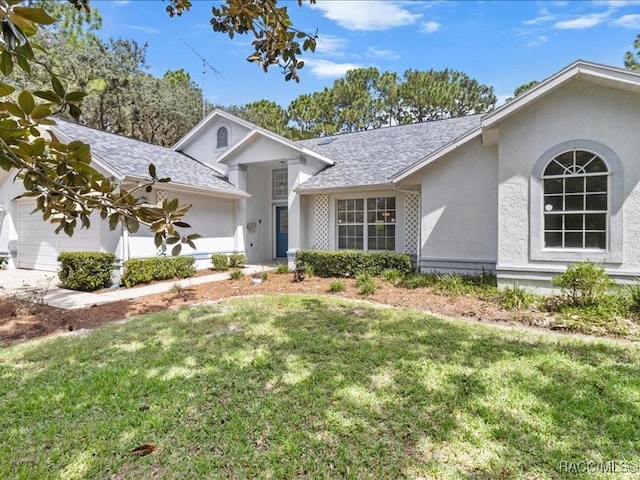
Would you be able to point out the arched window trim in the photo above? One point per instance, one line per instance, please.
(222, 137)
(614, 250)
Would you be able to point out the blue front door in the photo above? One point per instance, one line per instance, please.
(282, 232)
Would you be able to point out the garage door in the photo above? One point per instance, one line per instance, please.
(39, 246)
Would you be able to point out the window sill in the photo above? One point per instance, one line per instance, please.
(577, 255)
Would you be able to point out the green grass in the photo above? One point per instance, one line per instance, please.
(315, 387)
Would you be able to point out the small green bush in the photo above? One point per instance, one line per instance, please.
(393, 276)
(237, 274)
(237, 260)
(143, 270)
(515, 297)
(336, 286)
(282, 268)
(309, 270)
(220, 261)
(85, 271)
(365, 284)
(583, 283)
(349, 263)
(418, 281)
(633, 293)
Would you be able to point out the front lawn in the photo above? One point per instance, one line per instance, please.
(317, 387)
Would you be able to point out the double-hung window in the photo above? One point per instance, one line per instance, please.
(367, 223)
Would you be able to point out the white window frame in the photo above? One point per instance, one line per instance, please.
(275, 182)
(218, 130)
(613, 253)
(365, 224)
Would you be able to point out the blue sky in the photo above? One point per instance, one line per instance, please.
(502, 44)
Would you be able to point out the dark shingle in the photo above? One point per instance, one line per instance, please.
(373, 157)
(132, 158)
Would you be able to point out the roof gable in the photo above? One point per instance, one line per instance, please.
(206, 123)
(600, 74)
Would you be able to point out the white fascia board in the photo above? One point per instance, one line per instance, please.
(94, 158)
(184, 186)
(578, 68)
(355, 188)
(428, 160)
(256, 132)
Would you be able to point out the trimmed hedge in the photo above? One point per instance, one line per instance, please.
(86, 271)
(220, 261)
(142, 270)
(349, 263)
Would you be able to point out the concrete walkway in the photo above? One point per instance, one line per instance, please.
(37, 284)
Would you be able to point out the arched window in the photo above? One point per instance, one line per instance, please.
(575, 201)
(222, 138)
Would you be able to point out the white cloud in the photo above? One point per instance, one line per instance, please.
(539, 40)
(628, 21)
(540, 19)
(430, 27)
(122, 2)
(379, 53)
(583, 22)
(619, 3)
(144, 29)
(330, 45)
(370, 15)
(328, 69)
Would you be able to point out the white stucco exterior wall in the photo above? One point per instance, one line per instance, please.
(202, 146)
(458, 207)
(211, 217)
(260, 215)
(578, 110)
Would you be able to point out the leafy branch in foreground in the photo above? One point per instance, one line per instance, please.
(59, 176)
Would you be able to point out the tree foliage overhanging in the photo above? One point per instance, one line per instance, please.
(59, 176)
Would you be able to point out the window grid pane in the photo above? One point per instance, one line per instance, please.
(575, 193)
(379, 216)
(280, 183)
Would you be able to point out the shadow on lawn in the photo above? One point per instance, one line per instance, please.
(309, 387)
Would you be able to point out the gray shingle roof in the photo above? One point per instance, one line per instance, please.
(132, 157)
(374, 157)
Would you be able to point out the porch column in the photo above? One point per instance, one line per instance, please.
(238, 176)
(296, 175)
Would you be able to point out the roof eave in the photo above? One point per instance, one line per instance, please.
(183, 186)
(350, 188)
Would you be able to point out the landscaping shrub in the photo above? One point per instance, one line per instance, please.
(236, 274)
(583, 284)
(349, 263)
(237, 260)
(142, 270)
(336, 286)
(365, 284)
(392, 275)
(220, 261)
(86, 271)
(418, 281)
(633, 293)
(282, 268)
(515, 297)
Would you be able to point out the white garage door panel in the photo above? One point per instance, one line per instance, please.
(39, 246)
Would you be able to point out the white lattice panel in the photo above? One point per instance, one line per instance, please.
(322, 222)
(161, 196)
(411, 222)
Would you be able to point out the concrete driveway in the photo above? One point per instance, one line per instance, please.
(19, 282)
